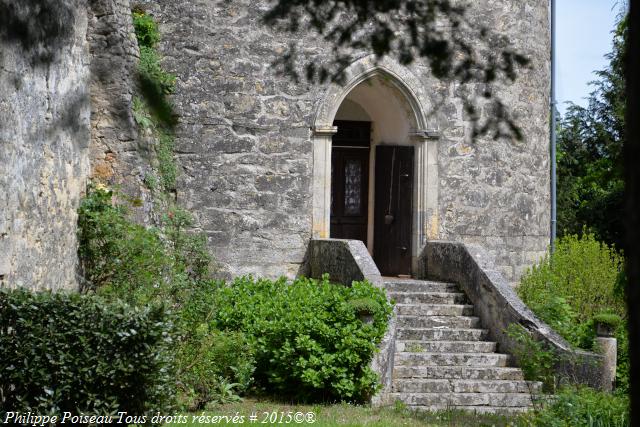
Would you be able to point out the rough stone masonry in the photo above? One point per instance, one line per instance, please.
(246, 138)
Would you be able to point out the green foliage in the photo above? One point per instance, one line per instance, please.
(126, 260)
(307, 339)
(152, 72)
(141, 114)
(116, 255)
(153, 111)
(209, 360)
(167, 168)
(189, 249)
(577, 285)
(155, 82)
(609, 319)
(145, 28)
(577, 282)
(166, 163)
(364, 306)
(581, 407)
(590, 141)
(79, 353)
(623, 369)
(536, 362)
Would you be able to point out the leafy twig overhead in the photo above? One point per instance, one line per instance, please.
(437, 31)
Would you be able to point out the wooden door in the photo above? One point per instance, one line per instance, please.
(393, 209)
(350, 181)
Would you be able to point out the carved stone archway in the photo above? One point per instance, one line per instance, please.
(424, 138)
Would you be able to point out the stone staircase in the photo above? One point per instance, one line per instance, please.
(443, 359)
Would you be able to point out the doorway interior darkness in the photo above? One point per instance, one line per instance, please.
(392, 216)
(394, 101)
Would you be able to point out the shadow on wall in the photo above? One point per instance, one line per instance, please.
(41, 27)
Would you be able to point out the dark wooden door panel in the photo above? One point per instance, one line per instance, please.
(393, 209)
(350, 181)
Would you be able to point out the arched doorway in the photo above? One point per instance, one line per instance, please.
(371, 161)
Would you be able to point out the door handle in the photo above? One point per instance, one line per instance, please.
(402, 248)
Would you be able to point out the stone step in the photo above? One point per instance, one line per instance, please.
(458, 372)
(450, 359)
(434, 309)
(495, 410)
(464, 386)
(428, 297)
(441, 334)
(452, 322)
(446, 346)
(447, 400)
(420, 286)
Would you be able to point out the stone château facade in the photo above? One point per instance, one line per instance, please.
(256, 149)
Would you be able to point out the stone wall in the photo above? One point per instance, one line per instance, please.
(243, 134)
(498, 306)
(67, 78)
(244, 139)
(44, 136)
(495, 193)
(117, 155)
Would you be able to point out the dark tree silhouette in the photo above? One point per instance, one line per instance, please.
(632, 204)
(436, 30)
(590, 140)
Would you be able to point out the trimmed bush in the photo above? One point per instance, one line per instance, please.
(308, 342)
(78, 353)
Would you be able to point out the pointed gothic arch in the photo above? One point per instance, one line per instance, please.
(423, 135)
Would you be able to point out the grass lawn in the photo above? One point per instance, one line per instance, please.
(277, 414)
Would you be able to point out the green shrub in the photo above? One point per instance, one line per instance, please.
(536, 362)
(581, 407)
(609, 319)
(129, 261)
(167, 167)
(152, 72)
(154, 82)
(77, 353)
(307, 339)
(124, 260)
(582, 280)
(213, 365)
(145, 28)
(364, 306)
(583, 272)
(116, 255)
(624, 365)
(189, 249)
